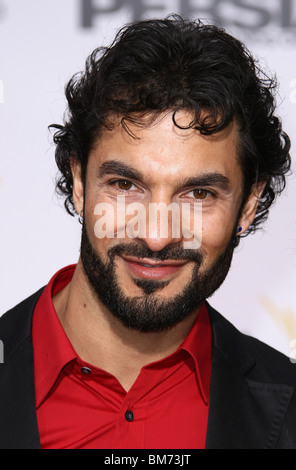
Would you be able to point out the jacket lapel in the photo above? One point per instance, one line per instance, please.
(19, 429)
(243, 413)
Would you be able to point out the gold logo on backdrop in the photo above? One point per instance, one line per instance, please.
(284, 317)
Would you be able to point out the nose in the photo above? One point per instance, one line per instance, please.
(163, 225)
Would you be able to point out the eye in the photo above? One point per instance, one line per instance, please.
(200, 194)
(124, 185)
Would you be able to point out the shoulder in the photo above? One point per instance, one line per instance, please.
(16, 323)
(269, 365)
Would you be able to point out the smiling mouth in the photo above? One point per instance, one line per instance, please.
(149, 269)
(151, 265)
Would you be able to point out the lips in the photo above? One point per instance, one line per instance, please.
(150, 269)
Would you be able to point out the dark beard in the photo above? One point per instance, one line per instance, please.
(148, 312)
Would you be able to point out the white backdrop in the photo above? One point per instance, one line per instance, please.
(42, 44)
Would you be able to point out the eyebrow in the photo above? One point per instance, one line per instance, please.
(116, 167)
(209, 179)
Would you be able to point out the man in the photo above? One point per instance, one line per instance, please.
(122, 350)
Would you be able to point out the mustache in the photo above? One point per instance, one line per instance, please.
(170, 252)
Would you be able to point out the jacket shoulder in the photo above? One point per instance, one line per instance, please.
(16, 323)
(271, 365)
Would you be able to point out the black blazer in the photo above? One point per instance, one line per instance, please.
(252, 395)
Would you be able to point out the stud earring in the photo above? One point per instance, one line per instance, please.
(239, 229)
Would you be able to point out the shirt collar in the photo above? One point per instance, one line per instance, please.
(53, 350)
(198, 343)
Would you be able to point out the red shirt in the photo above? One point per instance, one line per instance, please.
(80, 406)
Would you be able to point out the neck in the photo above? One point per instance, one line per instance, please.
(103, 341)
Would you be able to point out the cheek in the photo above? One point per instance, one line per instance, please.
(216, 235)
(106, 223)
(91, 220)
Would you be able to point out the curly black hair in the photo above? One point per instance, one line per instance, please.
(154, 66)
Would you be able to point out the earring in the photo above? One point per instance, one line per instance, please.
(80, 217)
(239, 229)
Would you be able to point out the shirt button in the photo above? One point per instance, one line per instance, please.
(129, 415)
(85, 370)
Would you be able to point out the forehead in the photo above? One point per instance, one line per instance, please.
(161, 148)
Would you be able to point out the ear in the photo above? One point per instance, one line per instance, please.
(77, 184)
(249, 209)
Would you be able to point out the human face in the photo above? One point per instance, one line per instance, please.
(163, 164)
